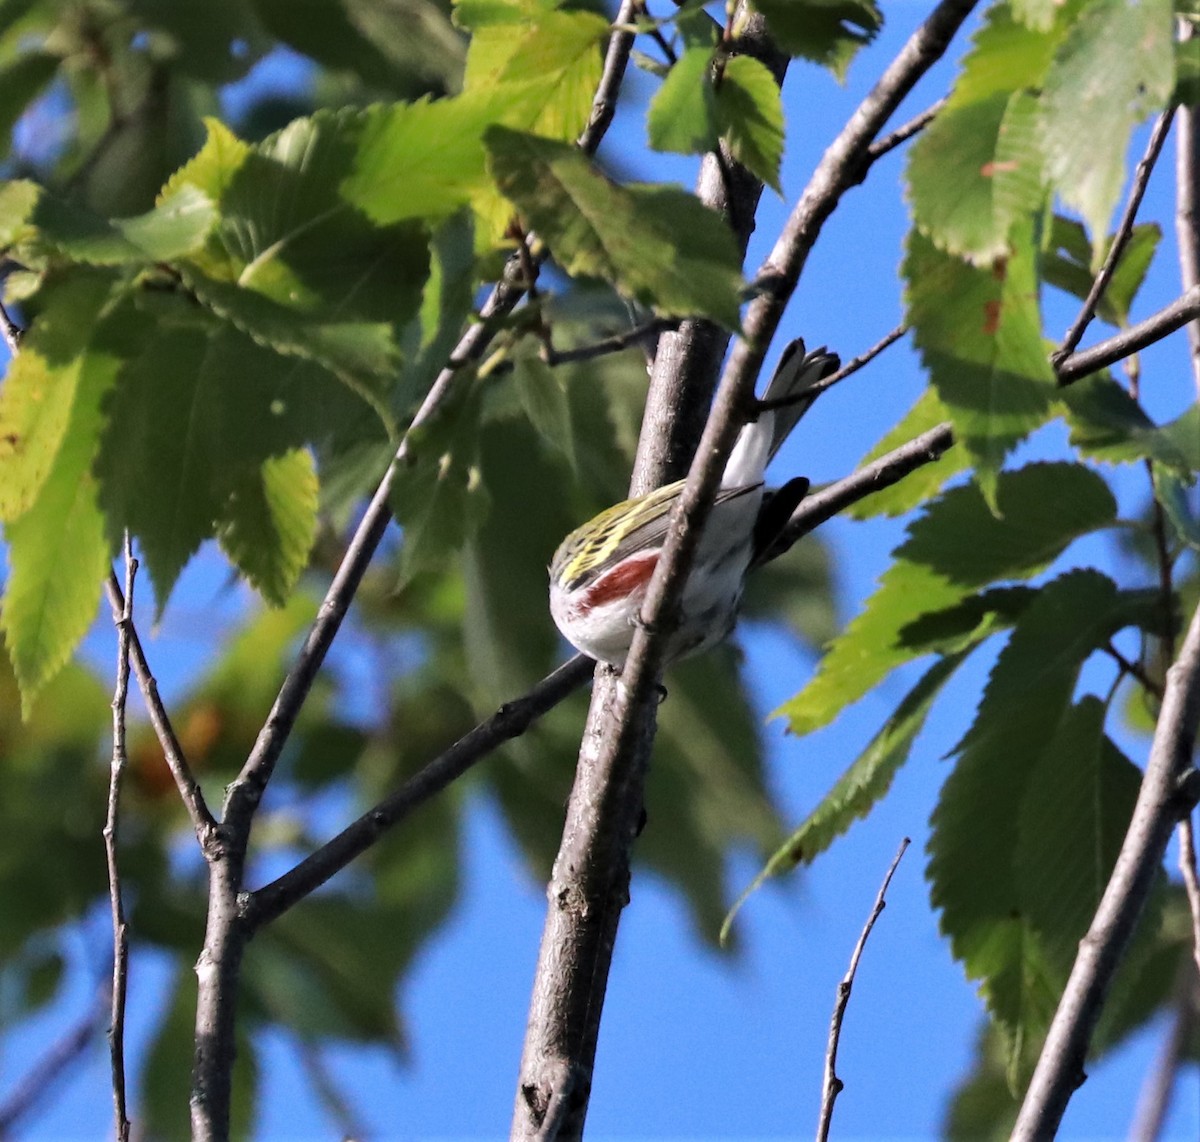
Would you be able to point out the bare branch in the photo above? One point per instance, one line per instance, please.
(1134, 669)
(1120, 240)
(1155, 327)
(510, 721)
(832, 1085)
(854, 365)
(646, 332)
(904, 132)
(590, 882)
(822, 505)
(189, 789)
(246, 791)
(1164, 798)
(120, 760)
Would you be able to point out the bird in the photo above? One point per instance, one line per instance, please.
(600, 573)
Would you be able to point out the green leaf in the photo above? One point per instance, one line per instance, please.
(288, 235)
(925, 482)
(999, 915)
(797, 590)
(953, 548)
(682, 117)
(979, 333)
(439, 496)
(829, 32)
(58, 551)
(543, 395)
(542, 72)
(656, 244)
(749, 113)
(192, 418)
(708, 791)
(39, 392)
(1115, 67)
(270, 523)
(1067, 265)
(1108, 424)
(508, 639)
(1172, 492)
(862, 785)
(977, 168)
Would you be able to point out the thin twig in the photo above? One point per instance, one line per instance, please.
(1145, 167)
(189, 789)
(848, 369)
(615, 343)
(1135, 670)
(1154, 328)
(832, 1085)
(1164, 798)
(904, 132)
(48, 1069)
(511, 720)
(120, 760)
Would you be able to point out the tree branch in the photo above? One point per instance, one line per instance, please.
(203, 822)
(589, 885)
(1120, 239)
(219, 964)
(1187, 206)
(1163, 799)
(120, 760)
(832, 1085)
(1154, 328)
(510, 721)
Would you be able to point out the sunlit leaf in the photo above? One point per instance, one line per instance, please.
(656, 244)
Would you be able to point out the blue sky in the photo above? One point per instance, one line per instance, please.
(695, 1044)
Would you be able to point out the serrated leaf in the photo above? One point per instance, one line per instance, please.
(1115, 66)
(992, 906)
(977, 167)
(1067, 265)
(682, 117)
(58, 551)
(542, 72)
(924, 483)
(1108, 424)
(193, 414)
(829, 32)
(656, 244)
(270, 522)
(749, 114)
(862, 785)
(953, 548)
(979, 333)
(39, 391)
(288, 235)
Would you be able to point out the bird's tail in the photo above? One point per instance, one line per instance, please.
(788, 393)
(786, 400)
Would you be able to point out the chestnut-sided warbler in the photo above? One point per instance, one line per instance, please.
(600, 572)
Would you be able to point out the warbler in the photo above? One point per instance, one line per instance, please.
(600, 572)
